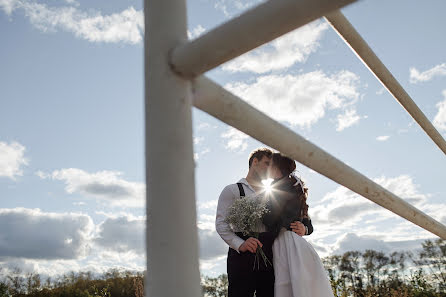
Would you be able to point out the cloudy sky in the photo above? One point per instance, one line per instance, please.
(71, 128)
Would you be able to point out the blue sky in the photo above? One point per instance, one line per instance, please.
(71, 128)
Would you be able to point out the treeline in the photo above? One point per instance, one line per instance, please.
(84, 284)
(358, 274)
(372, 273)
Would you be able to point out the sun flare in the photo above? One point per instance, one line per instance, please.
(267, 185)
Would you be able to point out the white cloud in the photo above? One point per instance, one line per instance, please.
(72, 2)
(198, 140)
(236, 140)
(344, 220)
(205, 151)
(299, 99)
(214, 266)
(211, 244)
(383, 138)
(33, 234)
(8, 6)
(342, 211)
(45, 268)
(122, 234)
(125, 26)
(211, 205)
(203, 126)
(200, 154)
(416, 76)
(281, 53)
(349, 118)
(42, 174)
(353, 242)
(126, 234)
(440, 117)
(197, 31)
(12, 159)
(103, 185)
(52, 244)
(347, 207)
(232, 7)
(198, 147)
(381, 91)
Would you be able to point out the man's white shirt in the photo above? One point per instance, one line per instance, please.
(227, 197)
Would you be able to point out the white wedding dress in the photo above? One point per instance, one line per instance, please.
(297, 268)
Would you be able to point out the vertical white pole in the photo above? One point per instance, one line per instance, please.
(171, 236)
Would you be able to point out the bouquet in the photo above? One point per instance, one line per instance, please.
(245, 215)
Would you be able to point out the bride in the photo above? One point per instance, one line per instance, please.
(298, 269)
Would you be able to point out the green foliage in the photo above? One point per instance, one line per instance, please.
(3, 290)
(113, 283)
(367, 274)
(373, 273)
(215, 287)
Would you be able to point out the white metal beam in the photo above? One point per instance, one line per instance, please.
(345, 29)
(246, 32)
(215, 100)
(172, 240)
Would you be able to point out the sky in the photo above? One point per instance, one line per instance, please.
(72, 189)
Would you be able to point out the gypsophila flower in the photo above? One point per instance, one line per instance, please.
(245, 215)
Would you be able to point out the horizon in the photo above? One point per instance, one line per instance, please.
(72, 186)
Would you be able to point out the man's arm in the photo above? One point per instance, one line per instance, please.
(304, 228)
(308, 225)
(224, 230)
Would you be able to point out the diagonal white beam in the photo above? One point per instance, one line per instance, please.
(246, 32)
(345, 29)
(215, 100)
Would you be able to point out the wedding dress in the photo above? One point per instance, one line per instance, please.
(298, 269)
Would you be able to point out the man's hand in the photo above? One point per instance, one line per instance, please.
(298, 228)
(250, 244)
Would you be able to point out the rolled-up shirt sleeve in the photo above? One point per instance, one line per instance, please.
(225, 201)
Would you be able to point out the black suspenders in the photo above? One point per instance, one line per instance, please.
(241, 190)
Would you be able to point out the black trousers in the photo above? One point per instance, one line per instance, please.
(243, 278)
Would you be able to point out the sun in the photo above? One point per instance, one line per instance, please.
(267, 185)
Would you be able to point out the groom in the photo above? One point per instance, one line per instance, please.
(243, 279)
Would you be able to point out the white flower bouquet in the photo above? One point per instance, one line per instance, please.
(245, 215)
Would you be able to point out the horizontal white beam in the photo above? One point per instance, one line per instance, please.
(366, 54)
(215, 100)
(246, 32)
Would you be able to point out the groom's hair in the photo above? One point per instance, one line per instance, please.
(259, 154)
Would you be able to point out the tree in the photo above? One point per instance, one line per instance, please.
(32, 282)
(16, 282)
(3, 289)
(350, 269)
(433, 258)
(215, 287)
(331, 265)
(373, 263)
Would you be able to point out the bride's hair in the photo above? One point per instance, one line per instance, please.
(287, 166)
